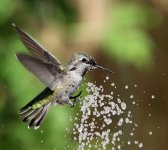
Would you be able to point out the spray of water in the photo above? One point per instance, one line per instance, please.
(103, 119)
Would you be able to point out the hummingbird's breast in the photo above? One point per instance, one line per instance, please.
(72, 81)
(66, 86)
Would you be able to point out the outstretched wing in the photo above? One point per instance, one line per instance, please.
(35, 48)
(41, 63)
(45, 72)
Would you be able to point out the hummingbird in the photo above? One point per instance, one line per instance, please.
(61, 82)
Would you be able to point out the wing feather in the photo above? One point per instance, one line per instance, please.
(46, 73)
(41, 63)
(35, 48)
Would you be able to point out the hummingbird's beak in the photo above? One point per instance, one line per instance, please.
(103, 68)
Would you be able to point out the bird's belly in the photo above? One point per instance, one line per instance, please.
(70, 87)
(72, 82)
(66, 88)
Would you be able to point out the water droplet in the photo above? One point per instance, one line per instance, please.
(120, 122)
(129, 142)
(131, 96)
(112, 84)
(123, 106)
(140, 145)
(131, 133)
(126, 87)
(133, 102)
(107, 77)
(152, 96)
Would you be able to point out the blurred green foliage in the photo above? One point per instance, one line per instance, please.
(126, 37)
(6, 10)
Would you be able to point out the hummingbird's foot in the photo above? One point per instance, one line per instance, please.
(70, 103)
(74, 97)
(73, 104)
(75, 101)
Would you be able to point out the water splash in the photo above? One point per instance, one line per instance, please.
(103, 119)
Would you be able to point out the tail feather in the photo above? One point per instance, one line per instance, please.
(30, 116)
(26, 115)
(34, 116)
(23, 111)
(38, 117)
(42, 119)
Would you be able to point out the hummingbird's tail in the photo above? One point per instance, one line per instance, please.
(34, 117)
(36, 110)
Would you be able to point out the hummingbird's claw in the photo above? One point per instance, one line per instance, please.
(74, 102)
(73, 105)
(74, 97)
(70, 103)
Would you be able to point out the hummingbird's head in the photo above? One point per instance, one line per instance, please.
(81, 63)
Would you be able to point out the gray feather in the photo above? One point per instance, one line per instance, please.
(42, 119)
(35, 48)
(39, 117)
(46, 73)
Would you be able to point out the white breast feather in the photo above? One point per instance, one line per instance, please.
(76, 77)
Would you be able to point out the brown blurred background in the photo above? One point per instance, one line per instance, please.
(131, 37)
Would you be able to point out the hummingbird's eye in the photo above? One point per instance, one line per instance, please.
(84, 60)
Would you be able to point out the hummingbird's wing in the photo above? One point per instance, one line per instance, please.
(48, 73)
(36, 49)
